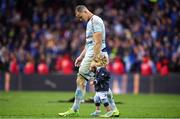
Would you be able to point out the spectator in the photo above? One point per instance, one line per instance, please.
(49, 28)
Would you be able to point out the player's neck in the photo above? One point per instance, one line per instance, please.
(90, 16)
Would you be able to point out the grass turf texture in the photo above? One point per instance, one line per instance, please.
(47, 105)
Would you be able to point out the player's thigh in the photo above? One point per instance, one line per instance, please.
(84, 71)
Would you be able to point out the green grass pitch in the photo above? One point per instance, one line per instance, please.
(46, 105)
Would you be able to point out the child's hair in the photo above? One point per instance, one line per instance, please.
(100, 61)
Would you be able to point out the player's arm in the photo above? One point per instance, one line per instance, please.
(97, 36)
(80, 58)
(98, 60)
(82, 53)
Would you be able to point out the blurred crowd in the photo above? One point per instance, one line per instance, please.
(44, 34)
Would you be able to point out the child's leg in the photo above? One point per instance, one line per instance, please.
(98, 107)
(97, 103)
(107, 107)
(104, 99)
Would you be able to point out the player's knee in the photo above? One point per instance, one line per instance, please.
(81, 82)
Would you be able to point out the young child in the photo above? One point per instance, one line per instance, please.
(101, 84)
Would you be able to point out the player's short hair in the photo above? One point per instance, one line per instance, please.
(80, 8)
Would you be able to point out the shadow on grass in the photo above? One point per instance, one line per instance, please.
(89, 100)
(3, 100)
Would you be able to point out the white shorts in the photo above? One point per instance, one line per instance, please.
(85, 65)
(101, 97)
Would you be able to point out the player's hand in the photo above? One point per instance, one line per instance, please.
(78, 61)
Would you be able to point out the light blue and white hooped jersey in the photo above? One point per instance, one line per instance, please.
(95, 24)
